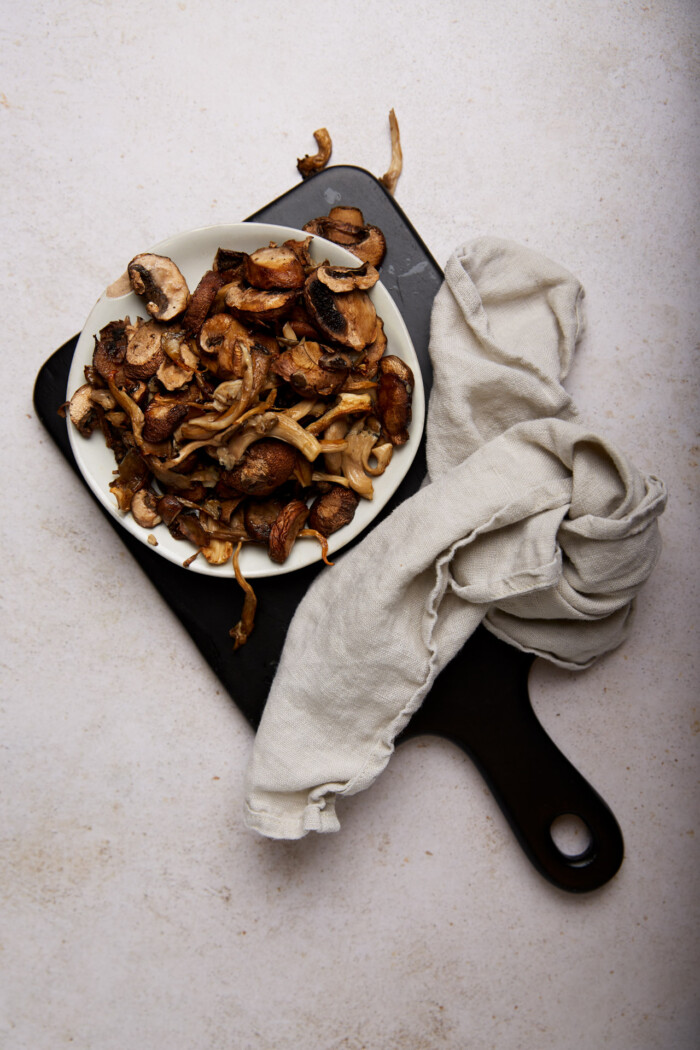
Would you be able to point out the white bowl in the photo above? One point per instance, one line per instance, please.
(194, 253)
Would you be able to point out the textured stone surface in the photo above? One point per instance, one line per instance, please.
(138, 911)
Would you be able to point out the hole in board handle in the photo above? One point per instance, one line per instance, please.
(572, 837)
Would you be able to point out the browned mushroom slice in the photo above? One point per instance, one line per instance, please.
(253, 304)
(366, 242)
(348, 278)
(312, 163)
(263, 468)
(201, 302)
(301, 250)
(159, 281)
(168, 508)
(288, 524)
(348, 318)
(81, 410)
(394, 397)
(161, 417)
(110, 349)
(301, 324)
(260, 516)
(132, 474)
(344, 213)
(311, 370)
(228, 259)
(144, 351)
(144, 509)
(368, 362)
(333, 509)
(274, 267)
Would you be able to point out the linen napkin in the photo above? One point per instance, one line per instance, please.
(528, 522)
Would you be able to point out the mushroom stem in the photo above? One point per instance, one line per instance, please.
(391, 176)
(242, 630)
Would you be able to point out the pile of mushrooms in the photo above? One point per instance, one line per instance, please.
(257, 408)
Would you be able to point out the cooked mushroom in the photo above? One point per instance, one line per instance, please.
(348, 318)
(144, 350)
(158, 279)
(394, 399)
(288, 524)
(348, 278)
(110, 348)
(144, 509)
(368, 361)
(346, 226)
(263, 468)
(346, 405)
(274, 267)
(253, 304)
(201, 302)
(391, 177)
(260, 516)
(333, 509)
(81, 410)
(312, 163)
(161, 417)
(311, 370)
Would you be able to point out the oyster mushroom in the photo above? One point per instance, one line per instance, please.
(274, 267)
(288, 524)
(391, 176)
(349, 319)
(332, 510)
(345, 405)
(159, 281)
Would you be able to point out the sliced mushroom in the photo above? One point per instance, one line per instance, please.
(301, 250)
(312, 163)
(333, 509)
(161, 418)
(274, 267)
(253, 304)
(264, 467)
(144, 350)
(144, 509)
(228, 259)
(368, 361)
(110, 349)
(311, 370)
(260, 516)
(363, 240)
(349, 318)
(288, 524)
(81, 410)
(394, 397)
(132, 474)
(159, 281)
(348, 278)
(201, 302)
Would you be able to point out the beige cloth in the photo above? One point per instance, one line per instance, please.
(529, 523)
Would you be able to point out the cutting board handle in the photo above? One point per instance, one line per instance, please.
(481, 702)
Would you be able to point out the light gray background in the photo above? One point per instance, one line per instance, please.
(137, 910)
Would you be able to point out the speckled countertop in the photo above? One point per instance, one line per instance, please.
(137, 910)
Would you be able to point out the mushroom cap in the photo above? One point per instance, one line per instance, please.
(333, 509)
(347, 318)
(158, 279)
(274, 267)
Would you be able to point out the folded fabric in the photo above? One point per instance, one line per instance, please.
(529, 522)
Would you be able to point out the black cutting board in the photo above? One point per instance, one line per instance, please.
(480, 701)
